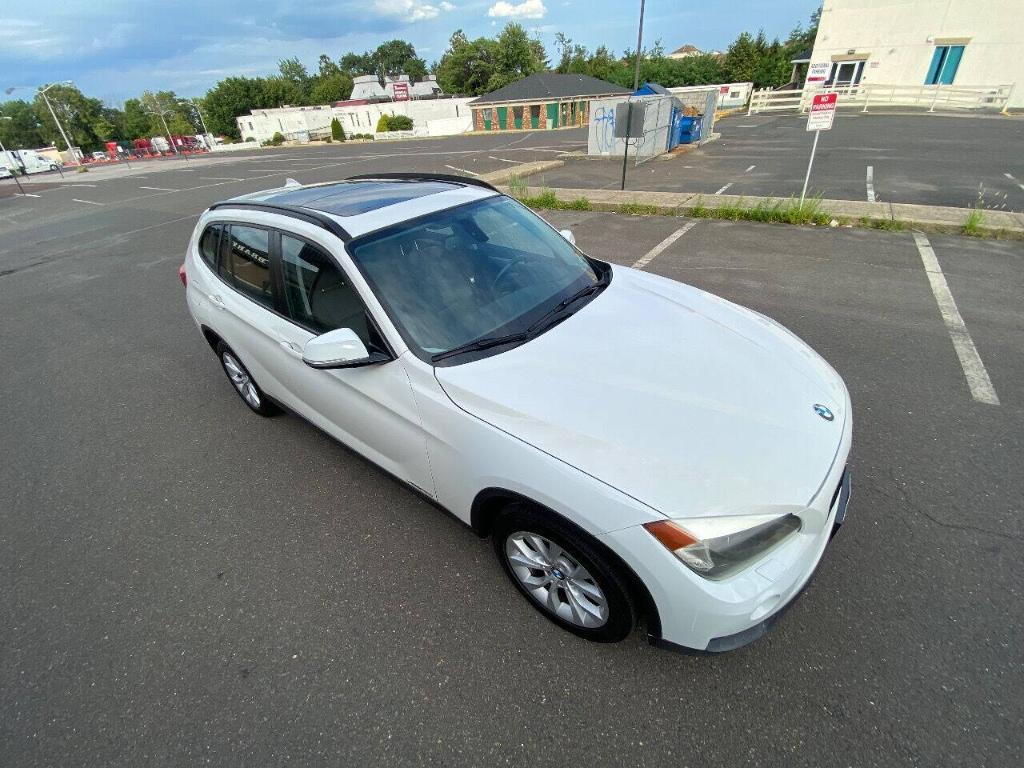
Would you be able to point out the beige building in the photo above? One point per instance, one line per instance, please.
(922, 42)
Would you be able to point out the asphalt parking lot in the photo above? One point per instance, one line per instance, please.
(186, 583)
(920, 159)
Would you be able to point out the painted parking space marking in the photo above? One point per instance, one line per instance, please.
(870, 180)
(159, 189)
(87, 202)
(750, 169)
(648, 257)
(1011, 177)
(220, 178)
(76, 184)
(974, 369)
(24, 194)
(724, 188)
(461, 170)
(502, 159)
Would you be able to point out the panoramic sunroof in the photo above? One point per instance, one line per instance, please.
(360, 197)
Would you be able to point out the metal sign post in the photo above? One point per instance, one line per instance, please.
(820, 118)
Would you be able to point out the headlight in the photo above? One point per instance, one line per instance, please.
(715, 547)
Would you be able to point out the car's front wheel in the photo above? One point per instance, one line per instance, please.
(564, 574)
(243, 382)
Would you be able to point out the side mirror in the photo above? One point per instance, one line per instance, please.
(339, 348)
(568, 235)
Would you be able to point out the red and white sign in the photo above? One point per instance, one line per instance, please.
(818, 73)
(401, 91)
(823, 112)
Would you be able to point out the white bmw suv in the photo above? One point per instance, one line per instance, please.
(638, 449)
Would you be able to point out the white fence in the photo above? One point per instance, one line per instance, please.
(928, 97)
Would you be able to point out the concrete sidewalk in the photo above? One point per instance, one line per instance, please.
(928, 217)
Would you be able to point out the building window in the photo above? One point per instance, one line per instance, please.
(846, 73)
(945, 62)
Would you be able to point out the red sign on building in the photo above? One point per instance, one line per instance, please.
(401, 91)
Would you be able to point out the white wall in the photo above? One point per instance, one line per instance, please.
(431, 117)
(292, 122)
(730, 95)
(899, 38)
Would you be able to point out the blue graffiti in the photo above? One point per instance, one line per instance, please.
(604, 129)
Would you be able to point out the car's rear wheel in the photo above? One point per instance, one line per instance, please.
(564, 574)
(243, 382)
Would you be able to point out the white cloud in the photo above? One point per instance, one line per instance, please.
(447, 7)
(528, 9)
(408, 10)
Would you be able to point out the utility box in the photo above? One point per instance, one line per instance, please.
(634, 121)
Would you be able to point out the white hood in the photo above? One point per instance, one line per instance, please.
(685, 401)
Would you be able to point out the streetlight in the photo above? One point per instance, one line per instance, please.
(157, 110)
(11, 164)
(42, 92)
(202, 122)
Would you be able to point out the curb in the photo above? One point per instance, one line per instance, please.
(521, 171)
(931, 218)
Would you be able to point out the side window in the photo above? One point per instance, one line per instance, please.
(245, 262)
(317, 293)
(208, 243)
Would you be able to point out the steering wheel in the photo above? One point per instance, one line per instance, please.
(504, 271)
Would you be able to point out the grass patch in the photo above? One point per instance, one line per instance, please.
(547, 199)
(82, 169)
(517, 187)
(638, 209)
(973, 222)
(770, 211)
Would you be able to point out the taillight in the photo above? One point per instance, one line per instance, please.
(182, 275)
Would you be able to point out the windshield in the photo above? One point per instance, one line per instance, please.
(478, 272)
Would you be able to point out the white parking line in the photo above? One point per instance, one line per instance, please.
(1011, 178)
(24, 194)
(219, 178)
(648, 257)
(970, 360)
(502, 159)
(724, 188)
(750, 169)
(160, 189)
(871, 184)
(461, 170)
(87, 202)
(72, 186)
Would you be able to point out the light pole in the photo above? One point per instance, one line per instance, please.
(202, 122)
(11, 164)
(158, 110)
(636, 85)
(42, 92)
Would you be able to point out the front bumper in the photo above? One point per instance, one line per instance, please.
(747, 636)
(699, 615)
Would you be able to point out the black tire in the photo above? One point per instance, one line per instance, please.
(255, 400)
(620, 617)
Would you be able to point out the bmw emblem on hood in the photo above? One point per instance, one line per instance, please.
(824, 412)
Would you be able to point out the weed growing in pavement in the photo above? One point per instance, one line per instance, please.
(972, 225)
(547, 199)
(771, 211)
(517, 187)
(638, 209)
(82, 169)
(889, 225)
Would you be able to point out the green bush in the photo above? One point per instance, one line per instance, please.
(383, 125)
(337, 132)
(277, 139)
(400, 123)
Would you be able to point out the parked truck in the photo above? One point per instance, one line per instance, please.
(27, 161)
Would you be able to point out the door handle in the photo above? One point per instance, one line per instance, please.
(290, 348)
(216, 300)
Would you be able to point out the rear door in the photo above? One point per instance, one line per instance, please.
(371, 409)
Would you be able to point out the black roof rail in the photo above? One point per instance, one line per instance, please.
(473, 182)
(308, 215)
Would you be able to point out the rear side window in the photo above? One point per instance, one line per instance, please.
(317, 293)
(208, 245)
(246, 262)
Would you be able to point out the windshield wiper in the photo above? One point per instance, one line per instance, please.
(513, 338)
(484, 343)
(566, 303)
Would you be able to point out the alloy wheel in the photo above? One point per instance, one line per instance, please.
(241, 380)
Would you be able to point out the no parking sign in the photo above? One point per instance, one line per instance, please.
(823, 112)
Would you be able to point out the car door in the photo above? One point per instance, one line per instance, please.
(244, 304)
(370, 408)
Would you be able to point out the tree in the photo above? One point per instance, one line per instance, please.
(77, 113)
(741, 59)
(327, 67)
(516, 56)
(398, 57)
(337, 132)
(355, 64)
(137, 122)
(467, 67)
(230, 98)
(330, 88)
(23, 130)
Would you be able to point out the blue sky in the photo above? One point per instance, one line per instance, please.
(114, 49)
